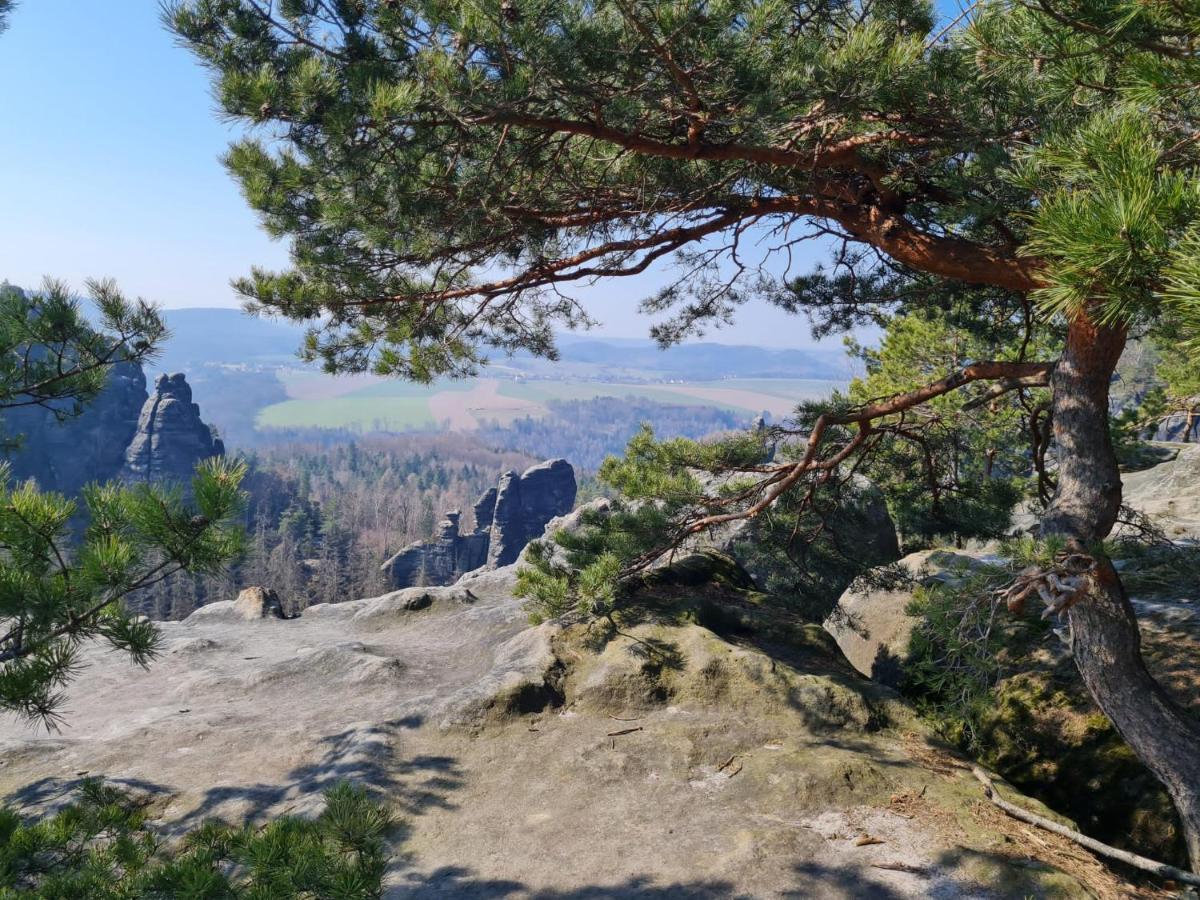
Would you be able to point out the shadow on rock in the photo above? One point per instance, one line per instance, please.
(457, 881)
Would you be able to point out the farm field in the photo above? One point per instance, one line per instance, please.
(367, 403)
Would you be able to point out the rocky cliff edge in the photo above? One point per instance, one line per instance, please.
(708, 747)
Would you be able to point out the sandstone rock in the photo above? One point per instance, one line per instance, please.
(255, 603)
(440, 561)
(1169, 493)
(507, 517)
(1040, 728)
(754, 761)
(1179, 427)
(64, 456)
(525, 504)
(871, 625)
(485, 509)
(171, 438)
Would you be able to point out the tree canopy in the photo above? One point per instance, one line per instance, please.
(447, 171)
(52, 356)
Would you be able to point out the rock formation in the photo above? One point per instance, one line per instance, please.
(1169, 493)
(507, 517)
(64, 456)
(439, 561)
(871, 623)
(259, 603)
(1183, 426)
(524, 505)
(692, 755)
(1040, 728)
(123, 434)
(171, 438)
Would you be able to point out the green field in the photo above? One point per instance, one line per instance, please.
(365, 404)
(356, 413)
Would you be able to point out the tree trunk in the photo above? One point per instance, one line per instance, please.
(1104, 632)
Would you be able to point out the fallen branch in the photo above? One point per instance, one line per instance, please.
(1131, 859)
(623, 731)
(901, 867)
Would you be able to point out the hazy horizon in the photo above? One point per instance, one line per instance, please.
(119, 176)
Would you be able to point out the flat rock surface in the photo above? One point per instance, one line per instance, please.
(1169, 492)
(525, 761)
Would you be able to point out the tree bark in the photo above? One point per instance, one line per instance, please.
(1104, 631)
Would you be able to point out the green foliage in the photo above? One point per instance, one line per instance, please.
(659, 490)
(1119, 209)
(962, 643)
(546, 119)
(56, 591)
(1114, 218)
(57, 588)
(964, 640)
(955, 467)
(586, 584)
(805, 551)
(50, 355)
(101, 848)
(951, 667)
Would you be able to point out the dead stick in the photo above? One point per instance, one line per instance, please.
(1132, 859)
(624, 731)
(725, 765)
(620, 719)
(900, 867)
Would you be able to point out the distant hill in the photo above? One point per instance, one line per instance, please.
(204, 336)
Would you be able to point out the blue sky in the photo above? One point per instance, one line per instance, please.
(109, 167)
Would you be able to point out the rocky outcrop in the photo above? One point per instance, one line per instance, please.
(259, 603)
(525, 504)
(171, 438)
(1180, 426)
(713, 748)
(65, 455)
(440, 561)
(871, 623)
(1169, 493)
(1039, 726)
(507, 517)
(123, 434)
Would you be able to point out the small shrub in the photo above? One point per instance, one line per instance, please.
(101, 848)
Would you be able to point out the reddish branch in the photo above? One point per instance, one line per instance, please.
(787, 475)
(873, 216)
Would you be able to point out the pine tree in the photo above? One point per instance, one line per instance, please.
(447, 172)
(57, 587)
(100, 847)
